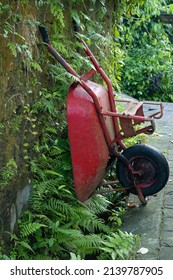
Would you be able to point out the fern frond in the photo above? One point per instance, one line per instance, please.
(86, 219)
(95, 225)
(71, 233)
(67, 238)
(59, 207)
(25, 245)
(91, 240)
(88, 244)
(39, 193)
(30, 228)
(98, 204)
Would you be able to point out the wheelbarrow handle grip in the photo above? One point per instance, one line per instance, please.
(76, 26)
(44, 34)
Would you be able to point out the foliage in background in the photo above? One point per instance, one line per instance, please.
(147, 73)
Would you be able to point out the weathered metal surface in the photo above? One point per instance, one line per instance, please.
(89, 151)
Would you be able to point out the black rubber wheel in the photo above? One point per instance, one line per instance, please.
(150, 165)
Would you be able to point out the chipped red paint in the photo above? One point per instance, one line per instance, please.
(89, 150)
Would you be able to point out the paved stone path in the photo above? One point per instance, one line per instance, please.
(154, 222)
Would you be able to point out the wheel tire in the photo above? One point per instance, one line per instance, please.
(152, 164)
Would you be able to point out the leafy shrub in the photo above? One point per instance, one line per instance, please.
(147, 72)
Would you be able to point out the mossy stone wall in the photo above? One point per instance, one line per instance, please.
(21, 78)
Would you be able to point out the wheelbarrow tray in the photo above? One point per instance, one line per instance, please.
(89, 150)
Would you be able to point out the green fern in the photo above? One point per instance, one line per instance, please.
(88, 245)
(119, 245)
(58, 206)
(30, 228)
(98, 204)
(25, 245)
(94, 225)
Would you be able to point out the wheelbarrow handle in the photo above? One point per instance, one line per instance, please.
(44, 34)
(76, 26)
(57, 56)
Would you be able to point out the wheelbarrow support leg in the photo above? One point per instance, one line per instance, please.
(139, 192)
(118, 155)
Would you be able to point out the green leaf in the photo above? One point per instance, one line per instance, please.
(52, 172)
(25, 245)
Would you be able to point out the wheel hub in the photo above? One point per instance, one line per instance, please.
(144, 171)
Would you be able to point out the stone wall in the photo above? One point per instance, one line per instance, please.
(19, 86)
(20, 82)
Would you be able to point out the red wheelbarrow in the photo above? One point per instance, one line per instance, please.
(96, 132)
